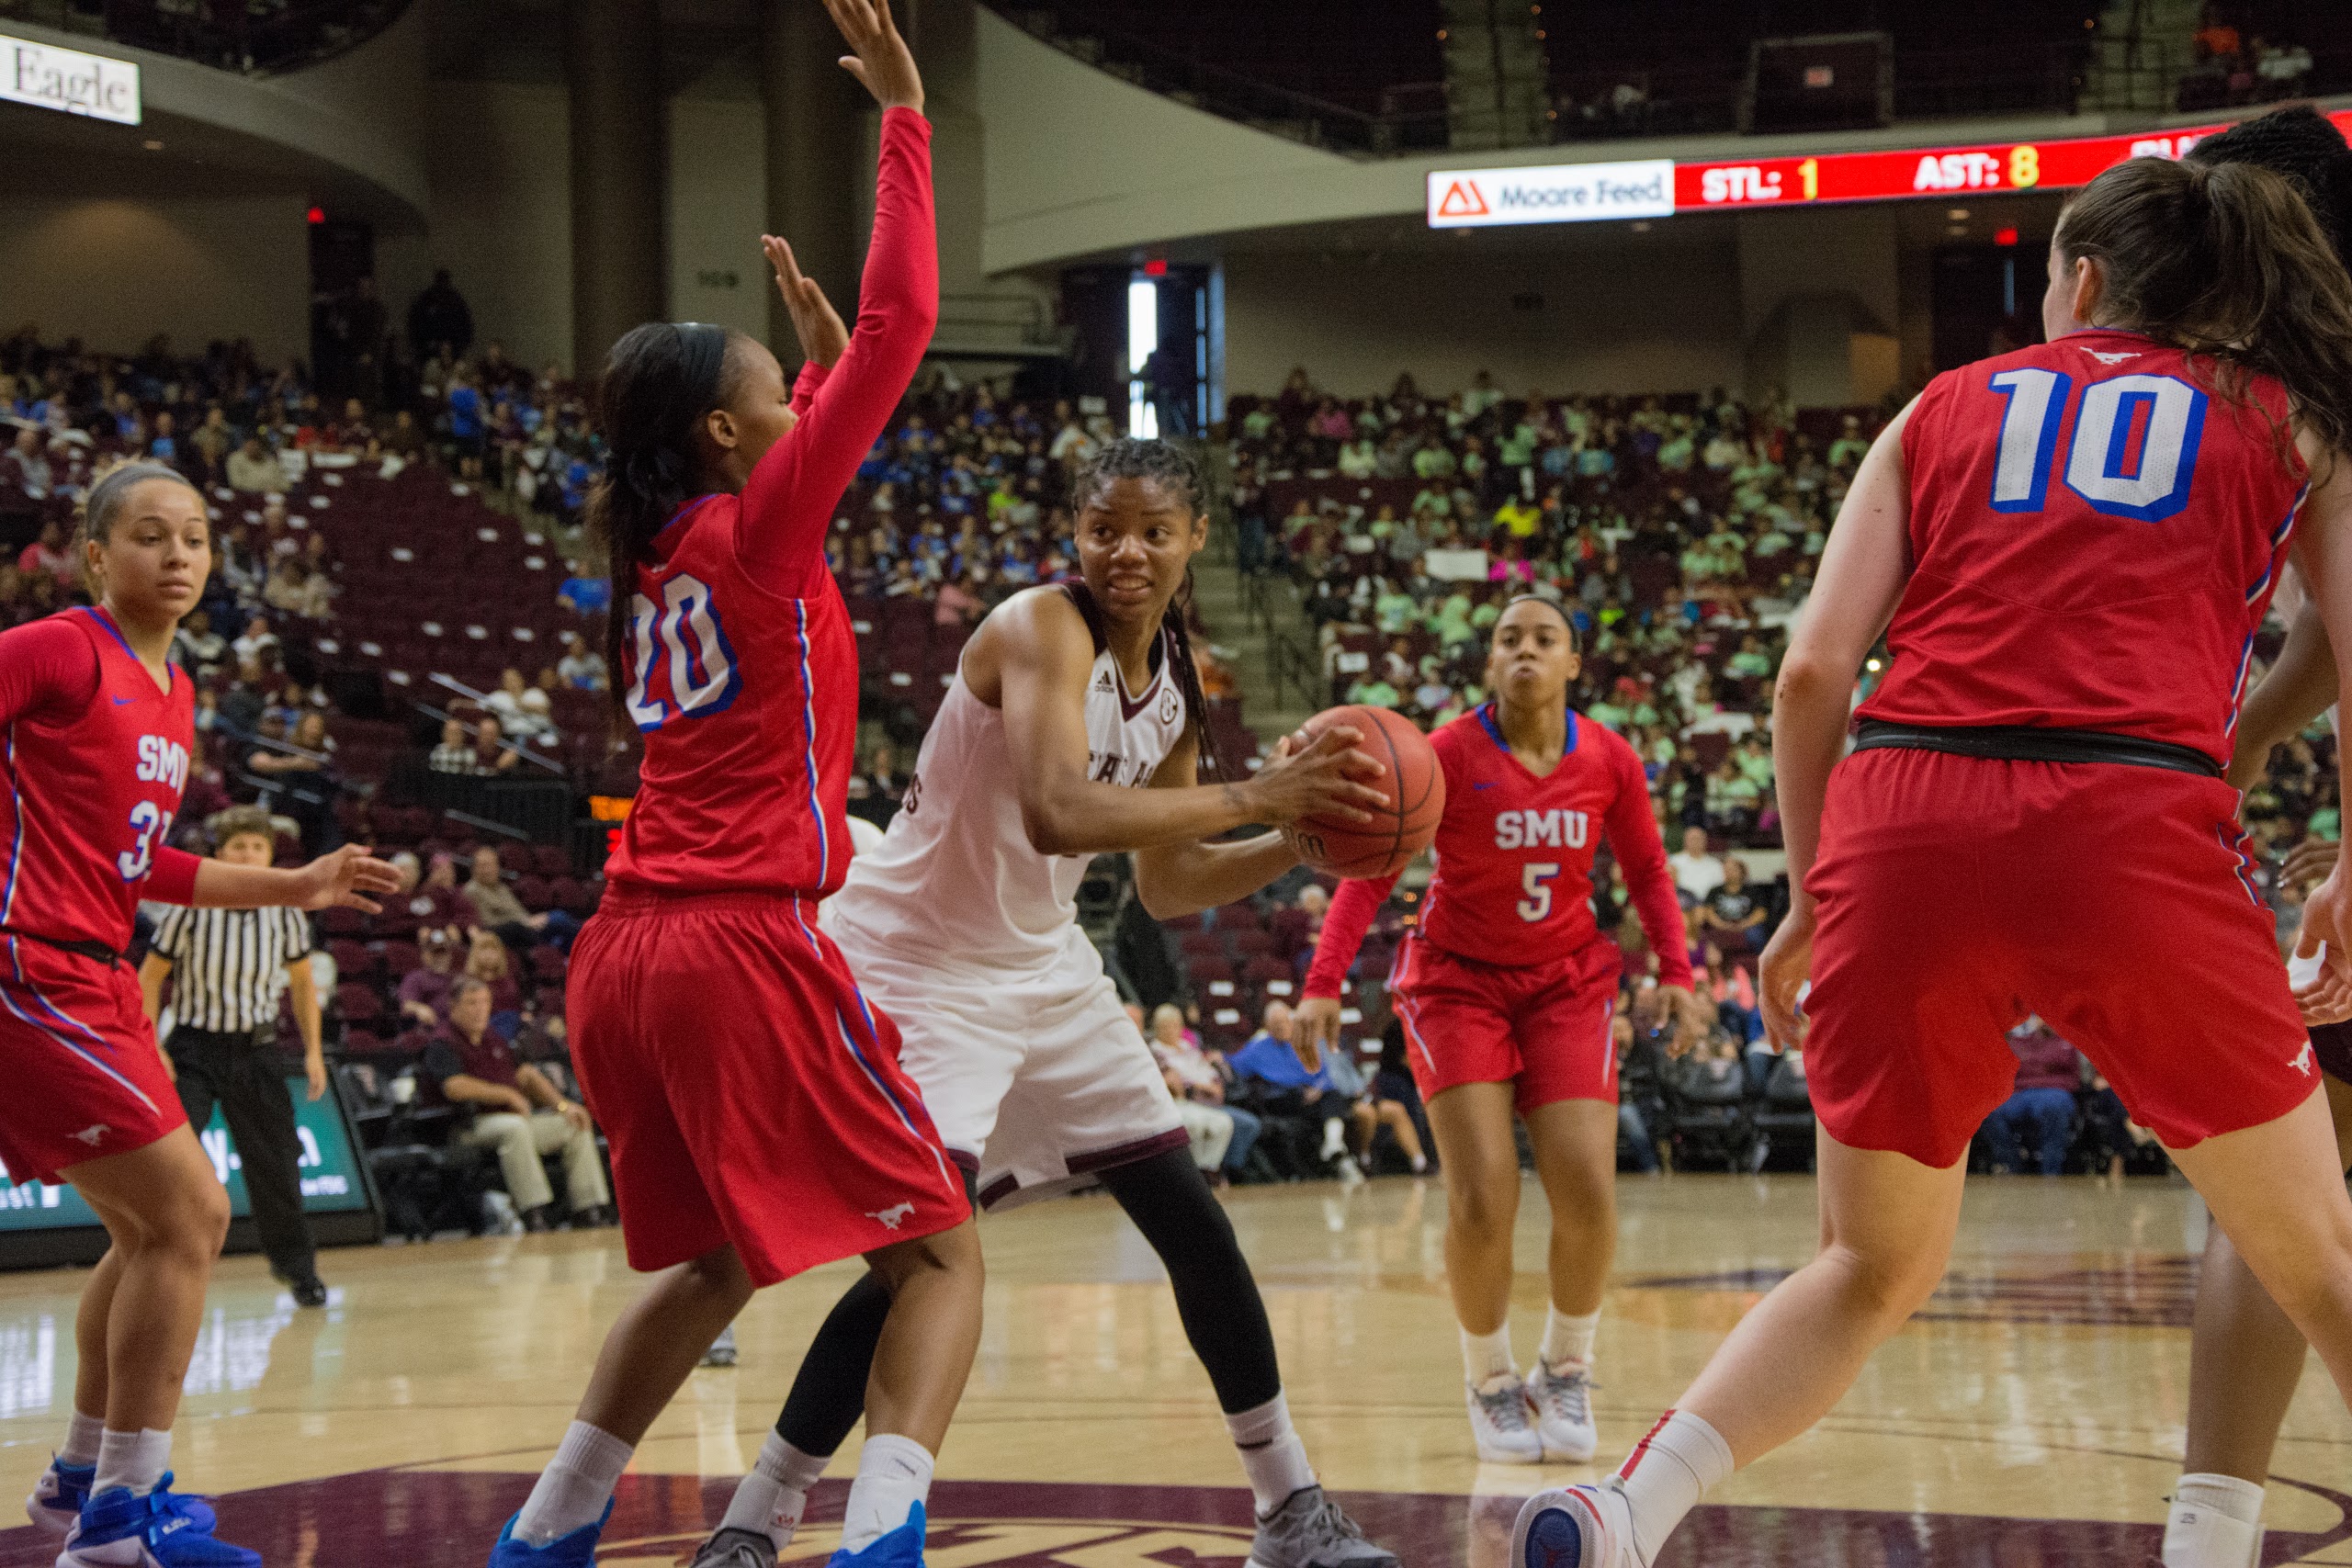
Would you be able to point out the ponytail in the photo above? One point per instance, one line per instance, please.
(1166, 464)
(2224, 260)
(659, 380)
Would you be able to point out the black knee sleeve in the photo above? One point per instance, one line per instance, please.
(1225, 1318)
(828, 1392)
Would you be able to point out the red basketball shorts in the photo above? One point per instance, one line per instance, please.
(79, 1057)
(1541, 1028)
(1957, 894)
(749, 1093)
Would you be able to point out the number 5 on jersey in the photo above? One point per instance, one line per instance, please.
(682, 667)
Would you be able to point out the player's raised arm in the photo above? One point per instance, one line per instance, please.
(850, 384)
(1032, 657)
(1863, 570)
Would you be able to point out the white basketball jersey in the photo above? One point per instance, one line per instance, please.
(955, 875)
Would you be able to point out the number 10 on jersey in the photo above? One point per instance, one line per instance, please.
(2102, 466)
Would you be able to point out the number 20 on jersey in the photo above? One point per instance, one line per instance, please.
(683, 667)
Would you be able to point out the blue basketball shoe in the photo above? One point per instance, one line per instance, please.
(577, 1550)
(57, 1497)
(119, 1528)
(901, 1548)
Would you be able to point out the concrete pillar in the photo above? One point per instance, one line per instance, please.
(819, 166)
(612, 57)
(1820, 303)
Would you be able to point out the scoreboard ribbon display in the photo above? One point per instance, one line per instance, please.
(1736, 183)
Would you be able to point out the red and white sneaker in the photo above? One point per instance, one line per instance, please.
(1576, 1527)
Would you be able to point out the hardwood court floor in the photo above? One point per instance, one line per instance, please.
(2031, 1415)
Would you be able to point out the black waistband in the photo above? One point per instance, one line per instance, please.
(2029, 743)
(97, 952)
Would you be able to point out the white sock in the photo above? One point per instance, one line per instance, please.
(575, 1486)
(136, 1460)
(772, 1495)
(1335, 1139)
(893, 1475)
(1486, 1356)
(1666, 1475)
(81, 1435)
(1272, 1454)
(1567, 1338)
(2215, 1523)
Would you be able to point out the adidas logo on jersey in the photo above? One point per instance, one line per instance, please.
(1102, 682)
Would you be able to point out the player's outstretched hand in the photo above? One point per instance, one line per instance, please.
(1786, 966)
(883, 64)
(343, 880)
(1326, 777)
(2326, 998)
(1313, 1028)
(814, 320)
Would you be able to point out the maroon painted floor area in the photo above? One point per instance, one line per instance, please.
(444, 1519)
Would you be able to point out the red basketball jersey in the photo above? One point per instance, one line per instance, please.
(748, 700)
(2095, 531)
(95, 757)
(1515, 852)
(742, 668)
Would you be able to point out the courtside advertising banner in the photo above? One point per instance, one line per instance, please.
(1559, 193)
(49, 77)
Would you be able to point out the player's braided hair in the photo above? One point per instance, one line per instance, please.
(2225, 261)
(1165, 464)
(2305, 146)
(659, 381)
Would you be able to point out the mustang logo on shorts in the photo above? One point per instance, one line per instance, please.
(2301, 1063)
(894, 1216)
(91, 1135)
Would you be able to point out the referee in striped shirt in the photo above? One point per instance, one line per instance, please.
(226, 968)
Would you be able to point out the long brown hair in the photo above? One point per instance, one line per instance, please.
(2224, 261)
(659, 380)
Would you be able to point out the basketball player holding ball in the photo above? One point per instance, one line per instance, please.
(1073, 729)
(1505, 992)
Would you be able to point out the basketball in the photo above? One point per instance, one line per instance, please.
(1415, 786)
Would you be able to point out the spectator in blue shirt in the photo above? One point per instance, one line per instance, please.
(1334, 1093)
(581, 594)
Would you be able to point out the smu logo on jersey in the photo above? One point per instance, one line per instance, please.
(163, 761)
(683, 665)
(1557, 829)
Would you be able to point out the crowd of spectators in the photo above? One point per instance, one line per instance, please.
(2235, 61)
(1678, 533)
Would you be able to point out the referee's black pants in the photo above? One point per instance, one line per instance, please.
(241, 1073)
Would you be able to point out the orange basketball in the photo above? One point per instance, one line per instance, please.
(1414, 783)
